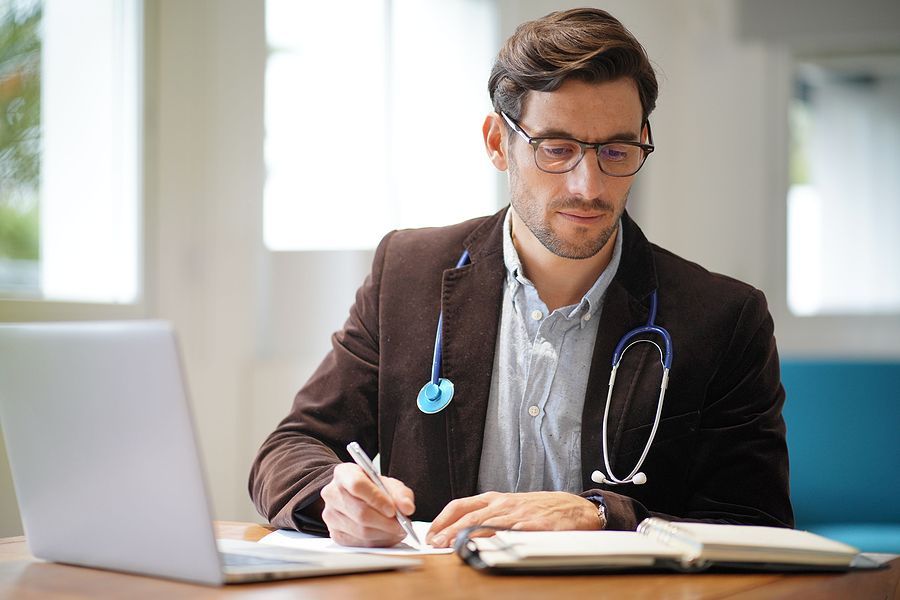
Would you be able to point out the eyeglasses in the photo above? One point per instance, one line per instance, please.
(561, 155)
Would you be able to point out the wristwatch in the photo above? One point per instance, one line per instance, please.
(600, 503)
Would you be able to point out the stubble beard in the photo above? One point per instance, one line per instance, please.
(532, 212)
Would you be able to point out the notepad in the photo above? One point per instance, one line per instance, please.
(305, 541)
(659, 544)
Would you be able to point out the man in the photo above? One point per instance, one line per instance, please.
(529, 328)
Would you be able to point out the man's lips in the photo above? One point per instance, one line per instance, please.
(580, 217)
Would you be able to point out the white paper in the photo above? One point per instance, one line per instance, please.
(305, 541)
(542, 544)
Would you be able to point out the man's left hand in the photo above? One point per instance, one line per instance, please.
(536, 511)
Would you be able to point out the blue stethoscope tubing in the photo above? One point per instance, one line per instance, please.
(665, 357)
(438, 392)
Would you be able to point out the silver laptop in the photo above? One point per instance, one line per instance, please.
(105, 462)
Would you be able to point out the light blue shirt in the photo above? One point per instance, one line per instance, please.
(532, 435)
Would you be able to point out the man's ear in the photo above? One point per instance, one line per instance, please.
(494, 131)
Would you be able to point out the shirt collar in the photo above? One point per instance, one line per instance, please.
(592, 300)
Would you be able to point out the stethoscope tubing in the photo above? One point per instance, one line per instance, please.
(611, 478)
(665, 359)
(439, 335)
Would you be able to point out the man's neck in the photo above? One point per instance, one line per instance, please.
(559, 281)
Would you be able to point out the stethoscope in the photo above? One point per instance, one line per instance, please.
(665, 358)
(438, 392)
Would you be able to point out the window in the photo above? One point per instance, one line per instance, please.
(373, 114)
(844, 198)
(70, 150)
(20, 105)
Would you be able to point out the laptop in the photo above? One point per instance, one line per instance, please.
(105, 462)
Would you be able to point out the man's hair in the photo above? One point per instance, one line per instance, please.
(587, 44)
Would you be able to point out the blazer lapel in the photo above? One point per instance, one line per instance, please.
(471, 298)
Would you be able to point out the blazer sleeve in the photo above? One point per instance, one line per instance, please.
(739, 470)
(336, 406)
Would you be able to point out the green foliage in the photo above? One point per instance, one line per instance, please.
(19, 232)
(20, 113)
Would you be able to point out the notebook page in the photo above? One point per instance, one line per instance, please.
(747, 543)
(535, 544)
(750, 536)
(305, 541)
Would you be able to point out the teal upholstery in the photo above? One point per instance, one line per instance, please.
(843, 433)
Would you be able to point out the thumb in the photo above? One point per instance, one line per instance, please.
(402, 496)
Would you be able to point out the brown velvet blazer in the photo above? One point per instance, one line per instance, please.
(719, 454)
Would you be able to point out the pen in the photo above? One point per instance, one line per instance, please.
(360, 458)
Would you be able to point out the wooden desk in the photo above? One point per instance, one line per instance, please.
(441, 576)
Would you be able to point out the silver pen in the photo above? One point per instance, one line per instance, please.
(360, 458)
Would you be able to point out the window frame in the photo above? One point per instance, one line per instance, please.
(829, 335)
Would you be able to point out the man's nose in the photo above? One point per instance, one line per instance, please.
(586, 179)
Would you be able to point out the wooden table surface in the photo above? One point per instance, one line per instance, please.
(441, 576)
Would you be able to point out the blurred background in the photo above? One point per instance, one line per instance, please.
(229, 165)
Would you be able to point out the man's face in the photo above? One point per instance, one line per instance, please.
(574, 214)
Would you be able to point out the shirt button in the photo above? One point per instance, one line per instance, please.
(537, 315)
(587, 317)
(534, 411)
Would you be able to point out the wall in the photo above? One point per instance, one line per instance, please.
(204, 176)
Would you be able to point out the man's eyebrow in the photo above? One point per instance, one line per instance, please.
(622, 136)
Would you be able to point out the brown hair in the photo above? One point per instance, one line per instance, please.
(587, 44)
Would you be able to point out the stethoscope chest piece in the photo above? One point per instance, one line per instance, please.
(433, 398)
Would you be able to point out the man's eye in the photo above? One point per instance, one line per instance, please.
(615, 153)
(558, 150)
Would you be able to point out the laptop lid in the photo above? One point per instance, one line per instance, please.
(105, 463)
(102, 450)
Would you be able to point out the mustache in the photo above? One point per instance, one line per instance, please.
(593, 205)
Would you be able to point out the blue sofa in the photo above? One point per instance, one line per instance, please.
(843, 433)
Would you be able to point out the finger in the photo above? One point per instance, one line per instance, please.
(454, 511)
(348, 530)
(403, 497)
(358, 512)
(351, 478)
(349, 519)
(346, 513)
(446, 537)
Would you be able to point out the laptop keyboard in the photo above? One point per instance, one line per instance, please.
(246, 560)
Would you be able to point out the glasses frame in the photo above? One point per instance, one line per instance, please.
(534, 142)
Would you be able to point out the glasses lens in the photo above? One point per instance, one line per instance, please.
(620, 159)
(557, 156)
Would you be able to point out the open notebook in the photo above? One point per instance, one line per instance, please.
(658, 544)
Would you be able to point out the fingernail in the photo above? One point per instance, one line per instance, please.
(438, 540)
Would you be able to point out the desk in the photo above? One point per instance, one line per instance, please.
(441, 576)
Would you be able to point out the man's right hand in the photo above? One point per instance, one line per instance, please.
(357, 513)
